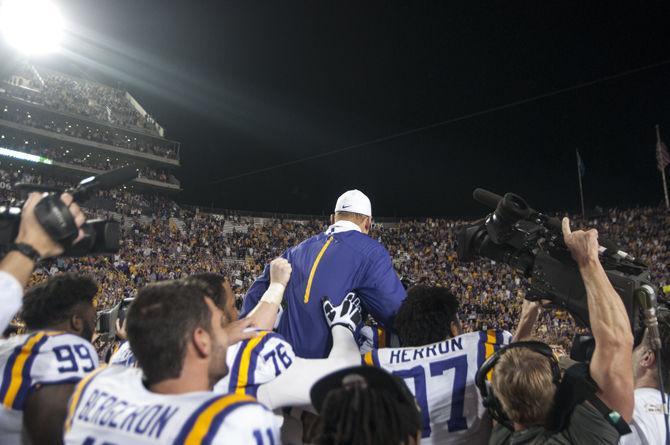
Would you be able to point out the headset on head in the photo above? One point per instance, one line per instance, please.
(491, 403)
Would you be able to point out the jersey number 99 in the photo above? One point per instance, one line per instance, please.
(69, 357)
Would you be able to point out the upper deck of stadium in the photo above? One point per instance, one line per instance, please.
(72, 127)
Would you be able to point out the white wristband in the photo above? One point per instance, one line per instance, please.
(274, 294)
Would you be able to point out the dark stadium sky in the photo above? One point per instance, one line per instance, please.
(246, 85)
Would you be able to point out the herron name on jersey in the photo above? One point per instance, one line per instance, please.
(112, 406)
(29, 361)
(442, 378)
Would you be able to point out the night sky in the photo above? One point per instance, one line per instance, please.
(248, 85)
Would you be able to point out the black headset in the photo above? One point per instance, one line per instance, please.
(491, 403)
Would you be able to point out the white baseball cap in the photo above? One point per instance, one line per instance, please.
(354, 201)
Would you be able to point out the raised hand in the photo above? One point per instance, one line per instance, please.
(280, 271)
(347, 314)
(583, 245)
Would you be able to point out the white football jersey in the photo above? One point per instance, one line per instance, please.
(648, 425)
(442, 378)
(30, 360)
(254, 362)
(123, 356)
(250, 362)
(112, 406)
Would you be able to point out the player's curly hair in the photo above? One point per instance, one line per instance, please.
(56, 299)
(366, 416)
(425, 316)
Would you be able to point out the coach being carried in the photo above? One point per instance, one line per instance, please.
(341, 259)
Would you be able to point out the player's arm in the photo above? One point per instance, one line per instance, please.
(612, 363)
(264, 314)
(530, 312)
(381, 291)
(255, 292)
(292, 387)
(44, 413)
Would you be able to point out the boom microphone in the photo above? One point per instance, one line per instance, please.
(489, 199)
(607, 247)
(610, 248)
(104, 181)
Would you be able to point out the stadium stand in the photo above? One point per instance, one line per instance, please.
(162, 240)
(56, 129)
(80, 127)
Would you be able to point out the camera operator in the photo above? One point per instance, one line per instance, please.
(119, 353)
(32, 243)
(525, 382)
(648, 425)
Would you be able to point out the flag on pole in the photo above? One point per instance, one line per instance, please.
(662, 155)
(663, 159)
(581, 166)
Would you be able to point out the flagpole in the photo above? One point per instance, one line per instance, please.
(665, 183)
(665, 189)
(581, 189)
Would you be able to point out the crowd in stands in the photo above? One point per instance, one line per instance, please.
(68, 94)
(162, 241)
(165, 241)
(60, 124)
(94, 161)
(184, 369)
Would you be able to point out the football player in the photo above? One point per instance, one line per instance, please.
(255, 362)
(38, 370)
(179, 337)
(438, 362)
(266, 366)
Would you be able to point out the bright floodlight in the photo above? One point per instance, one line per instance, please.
(32, 26)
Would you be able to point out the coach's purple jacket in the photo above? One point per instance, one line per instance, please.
(331, 264)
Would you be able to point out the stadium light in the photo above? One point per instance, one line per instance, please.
(33, 27)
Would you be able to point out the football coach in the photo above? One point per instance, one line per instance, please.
(340, 260)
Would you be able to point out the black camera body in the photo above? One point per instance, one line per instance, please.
(106, 325)
(532, 243)
(101, 236)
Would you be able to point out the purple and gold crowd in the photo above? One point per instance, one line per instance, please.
(162, 240)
